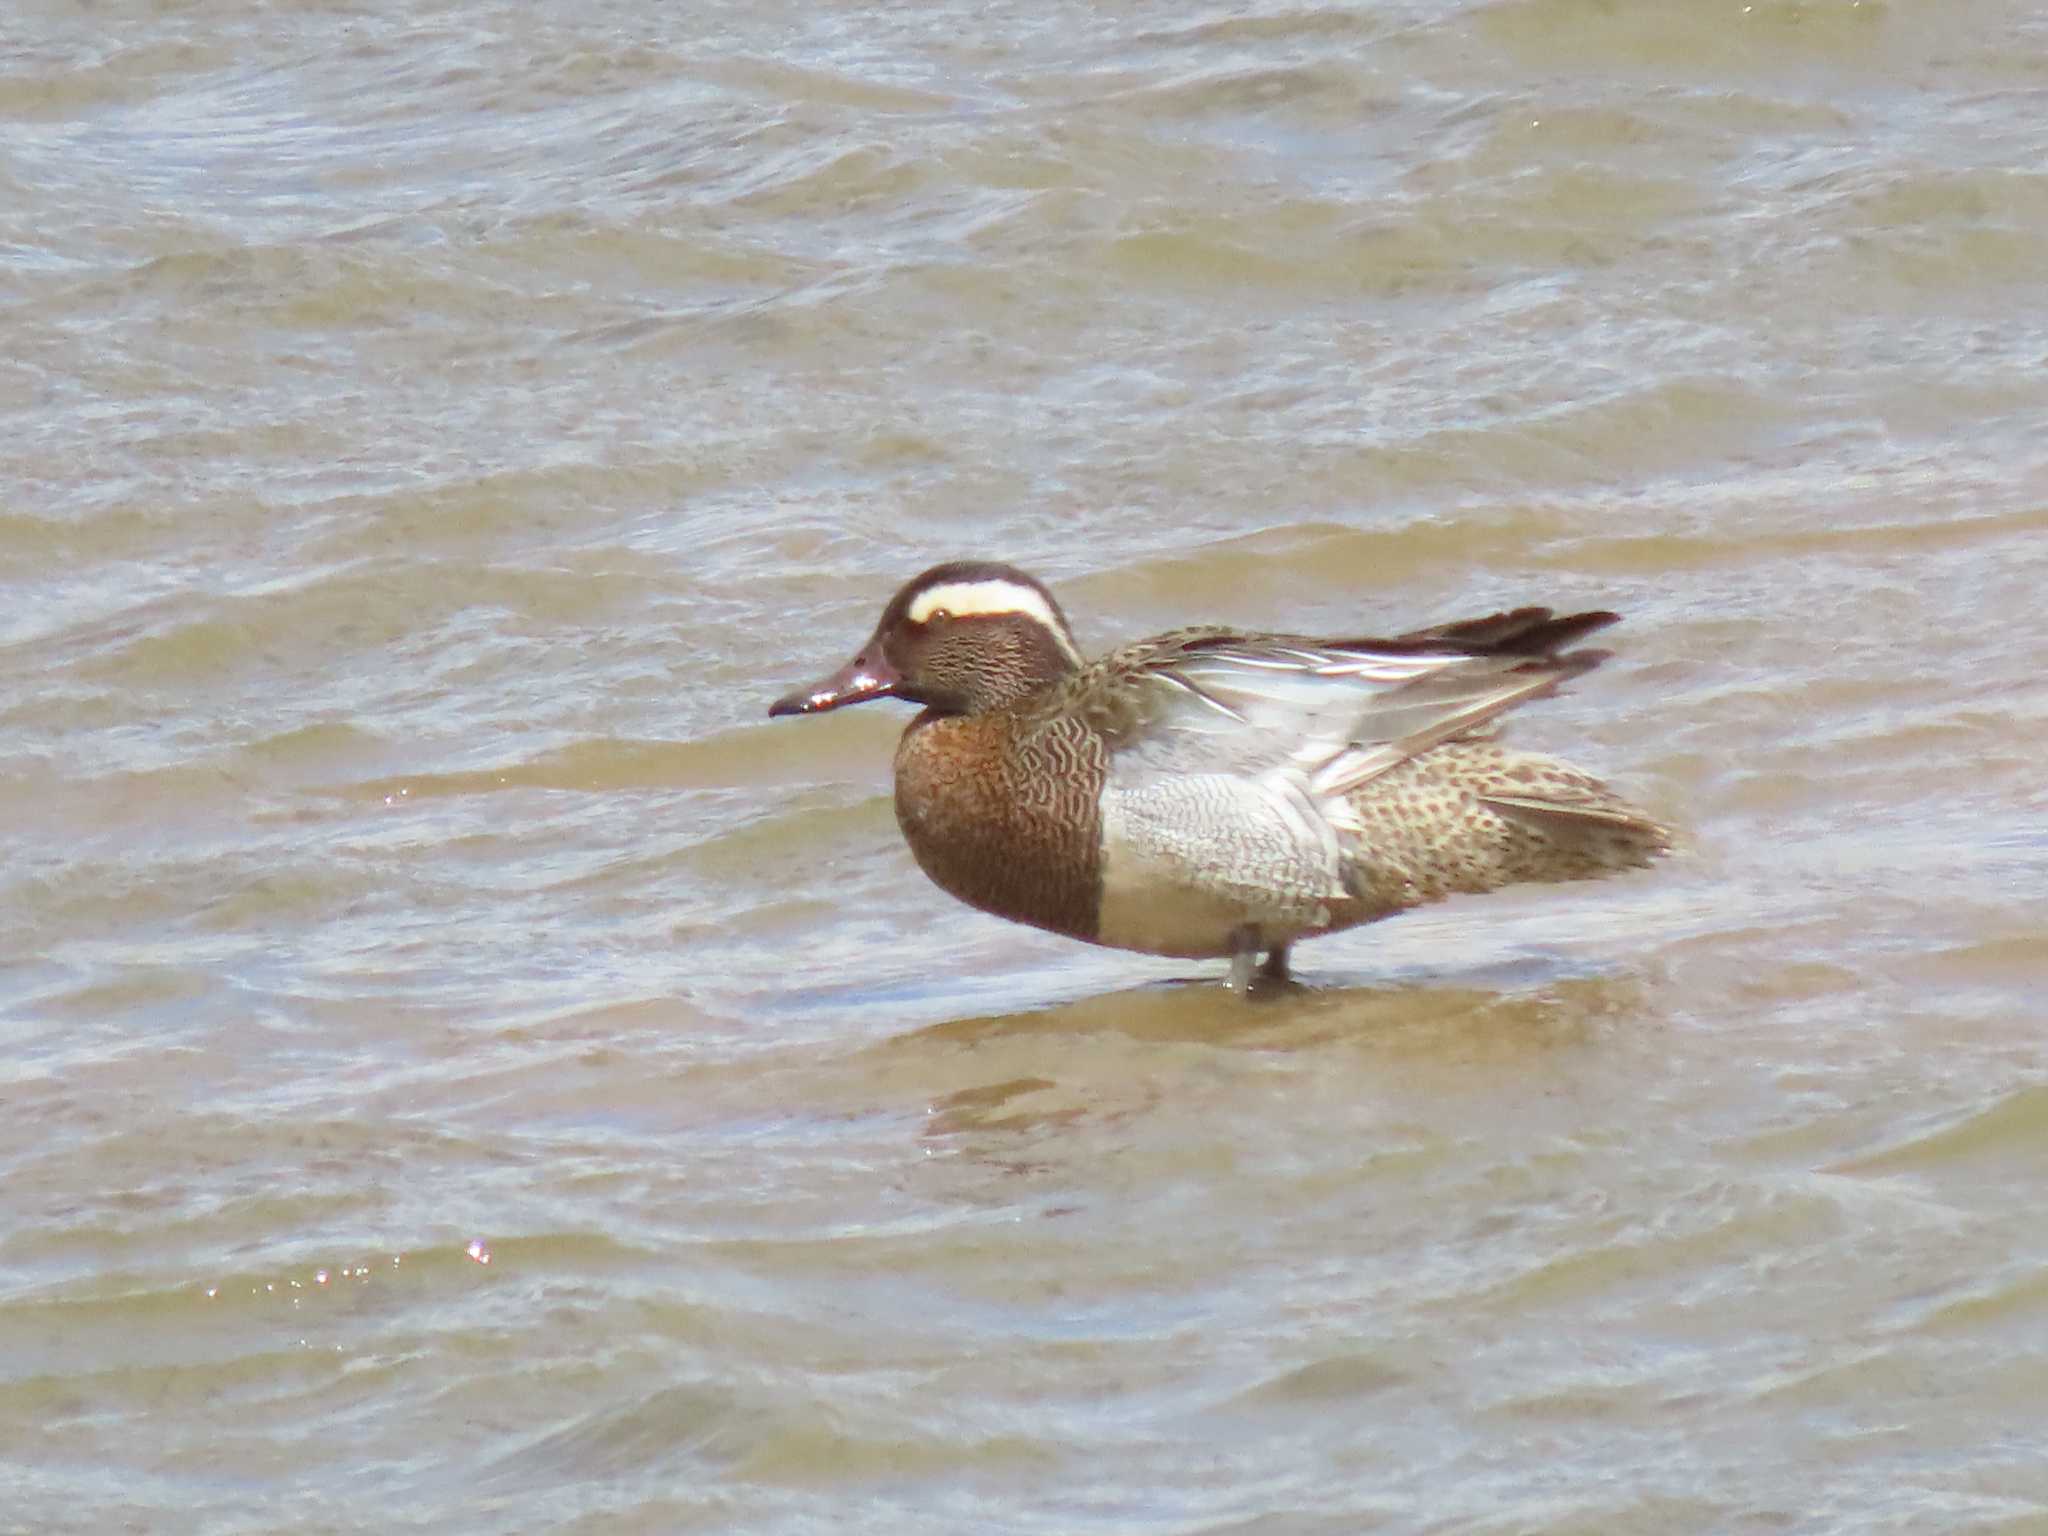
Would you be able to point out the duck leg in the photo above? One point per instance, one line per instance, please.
(1275, 968)
(1244, 954)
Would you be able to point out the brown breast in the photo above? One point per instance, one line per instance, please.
(1007, 815)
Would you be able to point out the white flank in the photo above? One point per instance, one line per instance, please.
(1165, 893)
(968, 599)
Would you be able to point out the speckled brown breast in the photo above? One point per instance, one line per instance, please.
(1006, 815)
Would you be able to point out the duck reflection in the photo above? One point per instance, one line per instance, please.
(1106, 1058)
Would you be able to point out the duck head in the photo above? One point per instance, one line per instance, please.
(962, 638)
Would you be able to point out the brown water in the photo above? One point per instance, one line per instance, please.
(432, 434)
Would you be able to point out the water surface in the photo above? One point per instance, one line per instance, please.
(466, 1069)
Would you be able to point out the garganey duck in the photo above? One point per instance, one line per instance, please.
(1210, 792)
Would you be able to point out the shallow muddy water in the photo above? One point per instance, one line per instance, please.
(466, 1069)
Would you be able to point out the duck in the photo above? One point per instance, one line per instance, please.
(1217, 793)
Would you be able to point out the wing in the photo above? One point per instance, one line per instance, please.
(1333, 714)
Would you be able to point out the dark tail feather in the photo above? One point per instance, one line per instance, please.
(1519, 632)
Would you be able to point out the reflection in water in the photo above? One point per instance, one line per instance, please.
(1099, 1058)
(1303, 1015)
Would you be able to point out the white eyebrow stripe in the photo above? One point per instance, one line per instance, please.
(967, 599)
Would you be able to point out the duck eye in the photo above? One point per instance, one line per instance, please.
(939, 616)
